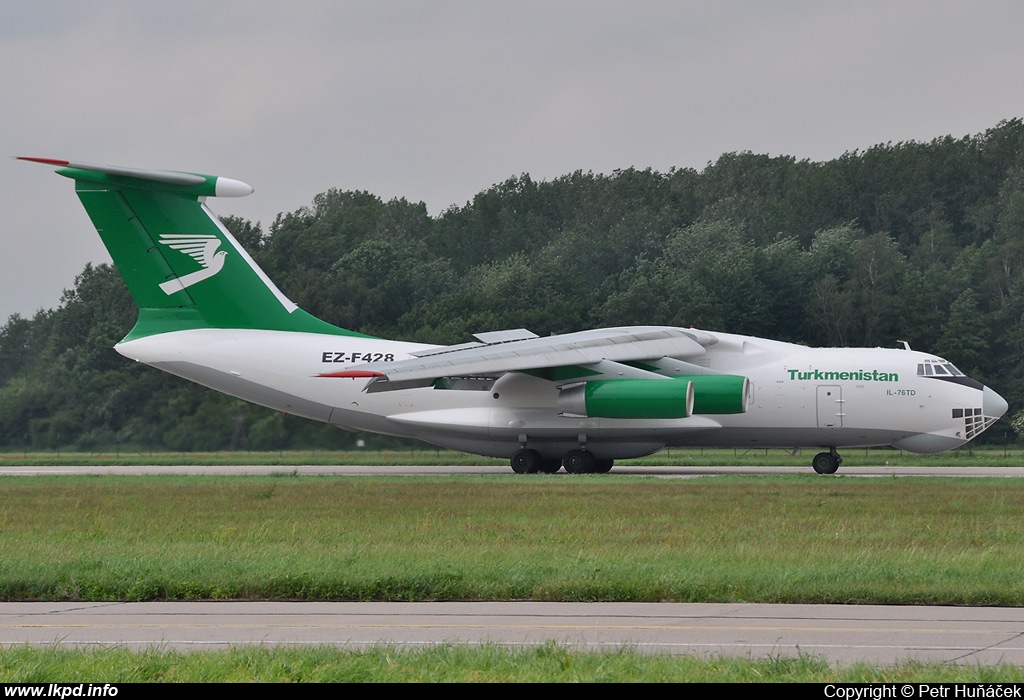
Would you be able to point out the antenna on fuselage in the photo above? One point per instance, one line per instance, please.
(906, 345)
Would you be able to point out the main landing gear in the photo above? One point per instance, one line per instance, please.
(575, 462)
(531, 462)
(827, 462)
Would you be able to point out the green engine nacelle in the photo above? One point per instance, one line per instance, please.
(678, 397)
(628, 398)
(719, 393)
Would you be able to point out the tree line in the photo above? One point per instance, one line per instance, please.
(922, 242)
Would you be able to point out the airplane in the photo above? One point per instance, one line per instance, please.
(577, 401)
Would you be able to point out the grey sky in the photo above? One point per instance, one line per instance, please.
(436, 101)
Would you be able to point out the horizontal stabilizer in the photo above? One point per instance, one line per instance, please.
(190, 183)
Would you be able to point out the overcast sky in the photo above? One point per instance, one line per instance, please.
(437, 100)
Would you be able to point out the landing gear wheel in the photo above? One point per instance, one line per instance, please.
(526, 462)
(578, 462)
(603, 466)
(550, 466)
(826, 462)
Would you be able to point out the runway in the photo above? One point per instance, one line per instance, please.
(838, 633)
(435, 470)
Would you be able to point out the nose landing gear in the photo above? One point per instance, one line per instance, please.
(827, 462)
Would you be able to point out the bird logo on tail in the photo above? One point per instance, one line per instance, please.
(201, 248)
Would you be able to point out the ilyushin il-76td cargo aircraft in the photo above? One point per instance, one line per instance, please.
(208, 313)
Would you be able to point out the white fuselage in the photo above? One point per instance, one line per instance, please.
(799, 397)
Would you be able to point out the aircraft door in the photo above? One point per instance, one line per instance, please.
(830, 407)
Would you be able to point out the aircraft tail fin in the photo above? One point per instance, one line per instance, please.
(182, 266)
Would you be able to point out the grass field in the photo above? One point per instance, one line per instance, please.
(799, 539)
(547, 663)
(796, 538)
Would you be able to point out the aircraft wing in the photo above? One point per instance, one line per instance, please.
(511, 351)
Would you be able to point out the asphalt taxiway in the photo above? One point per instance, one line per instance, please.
(837, 633)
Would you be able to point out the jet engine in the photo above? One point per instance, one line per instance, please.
(679, 397)
(719, 393)
(628, 398)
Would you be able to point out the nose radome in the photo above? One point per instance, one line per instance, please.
(992, 404)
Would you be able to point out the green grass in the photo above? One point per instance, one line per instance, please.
(799, 539)
(547, 663)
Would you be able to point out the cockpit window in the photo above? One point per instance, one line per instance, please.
(938, 368)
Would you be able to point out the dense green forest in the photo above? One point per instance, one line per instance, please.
(922, 242)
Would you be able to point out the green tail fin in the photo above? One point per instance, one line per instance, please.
(182, 267)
